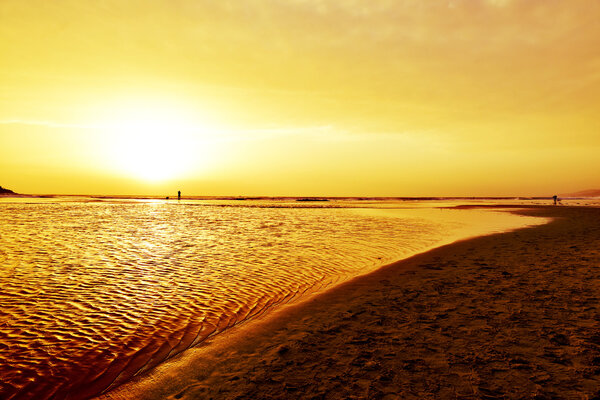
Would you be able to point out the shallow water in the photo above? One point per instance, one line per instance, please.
(94, 292)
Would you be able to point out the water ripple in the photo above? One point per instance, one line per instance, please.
(95, 293)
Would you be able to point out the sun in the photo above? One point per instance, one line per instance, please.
(156, 142)
(153, 148)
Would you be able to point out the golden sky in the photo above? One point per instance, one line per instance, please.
(298, 97)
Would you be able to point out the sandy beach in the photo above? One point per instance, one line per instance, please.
(504, 316)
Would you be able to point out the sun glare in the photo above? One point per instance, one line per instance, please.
(156, 143)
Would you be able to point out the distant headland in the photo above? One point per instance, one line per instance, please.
(6, 191)
(583, 193)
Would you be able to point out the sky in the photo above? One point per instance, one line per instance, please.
(300, 98)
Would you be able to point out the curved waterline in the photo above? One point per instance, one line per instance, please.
(98, 292)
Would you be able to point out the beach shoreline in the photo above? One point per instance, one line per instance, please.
(506, 315)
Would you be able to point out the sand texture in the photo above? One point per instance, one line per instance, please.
(507, 316)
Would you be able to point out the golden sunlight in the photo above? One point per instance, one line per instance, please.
(156, 142)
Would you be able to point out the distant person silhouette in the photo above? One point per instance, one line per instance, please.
(555, 198)
(179, 196)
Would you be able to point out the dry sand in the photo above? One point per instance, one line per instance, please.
(512, 315)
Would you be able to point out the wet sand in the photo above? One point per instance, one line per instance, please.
(511, 315)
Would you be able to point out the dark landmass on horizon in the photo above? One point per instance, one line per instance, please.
(6, 191)
(583, 193)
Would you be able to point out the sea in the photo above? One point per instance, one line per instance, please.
(94, 291)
